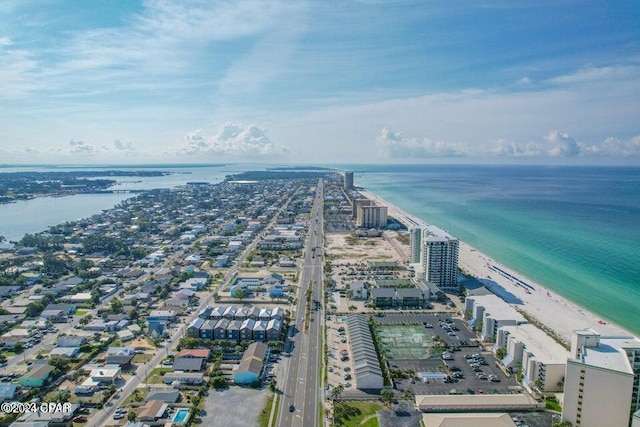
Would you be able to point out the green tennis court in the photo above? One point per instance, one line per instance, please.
(405, 341)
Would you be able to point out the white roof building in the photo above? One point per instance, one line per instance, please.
(542, 359)
(601, 380)
(493, 312)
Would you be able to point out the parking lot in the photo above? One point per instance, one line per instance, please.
(340, 363)
(468, 367)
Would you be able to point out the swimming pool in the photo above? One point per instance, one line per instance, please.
(181, 415)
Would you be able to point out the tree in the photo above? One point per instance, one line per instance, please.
(218, 382)
(501, 353)
(133, 314)
(387, 396)
(59, 362)
(3, 358)
(95, 295)
(131, 416)
(34, 309)
(337, 391)
(115, 306)
(18, 347)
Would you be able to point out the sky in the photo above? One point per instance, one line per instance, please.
(323, 81)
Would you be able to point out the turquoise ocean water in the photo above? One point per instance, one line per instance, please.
(575, 230)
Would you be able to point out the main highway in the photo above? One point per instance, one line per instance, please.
(301, 386)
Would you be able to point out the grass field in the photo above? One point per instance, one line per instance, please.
(405, 341)
(351, 414)
(155, 376)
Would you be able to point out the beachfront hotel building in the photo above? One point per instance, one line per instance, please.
(440, 257)
(371, 216)
(601, 380)
(415, 236)
(489, 313)
(348, 180)
(357, 203)
(542, 360)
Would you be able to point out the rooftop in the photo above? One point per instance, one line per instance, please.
(498, 309)
(610, 354)
(545, 348)
(468, 420)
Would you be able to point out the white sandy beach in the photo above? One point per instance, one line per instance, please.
(549, 308)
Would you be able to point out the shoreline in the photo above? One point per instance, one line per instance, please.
(554, 311)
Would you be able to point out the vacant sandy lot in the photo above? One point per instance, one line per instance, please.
(234, 407)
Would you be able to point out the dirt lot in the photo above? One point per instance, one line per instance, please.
(234, 407)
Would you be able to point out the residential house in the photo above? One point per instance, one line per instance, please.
(193, 330)
(37, 376)
(217, 313)
(383, 297)
(54, 316)
(277, 313)
(250, 368)
(65, 351)
(358, 290)
(273, 330)
(153, 410)
(69, 309)
(246, 330)
(220, 330)
(8, 392)
(195, 353)
(260, 330)
(265, 314)
(71, 341)
(100, 325)
(119, 355)
(188, 364)
(206, 330)
(186, 378)
(409, 297)
(233, 330)
(167, 396)
(230, 312)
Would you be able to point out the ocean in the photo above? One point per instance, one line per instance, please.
(574, 230)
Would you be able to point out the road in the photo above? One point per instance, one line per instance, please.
(301, 386)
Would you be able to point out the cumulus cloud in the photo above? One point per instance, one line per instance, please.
(393, 144)
(554, 144)
(562, 145)
(123, 145)
(615, 147)
(76, 146)
(233, 139)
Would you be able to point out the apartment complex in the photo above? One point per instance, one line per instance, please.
(415, 235)
(489, 313)
(440, 257)
(348, 180)
(543, 361)
(601, 380)
(371, 216)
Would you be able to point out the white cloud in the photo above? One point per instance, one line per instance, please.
(597, 74)
(76, 146)
(562, 145)
(233, 140)
(123, 145)
(394, 145)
